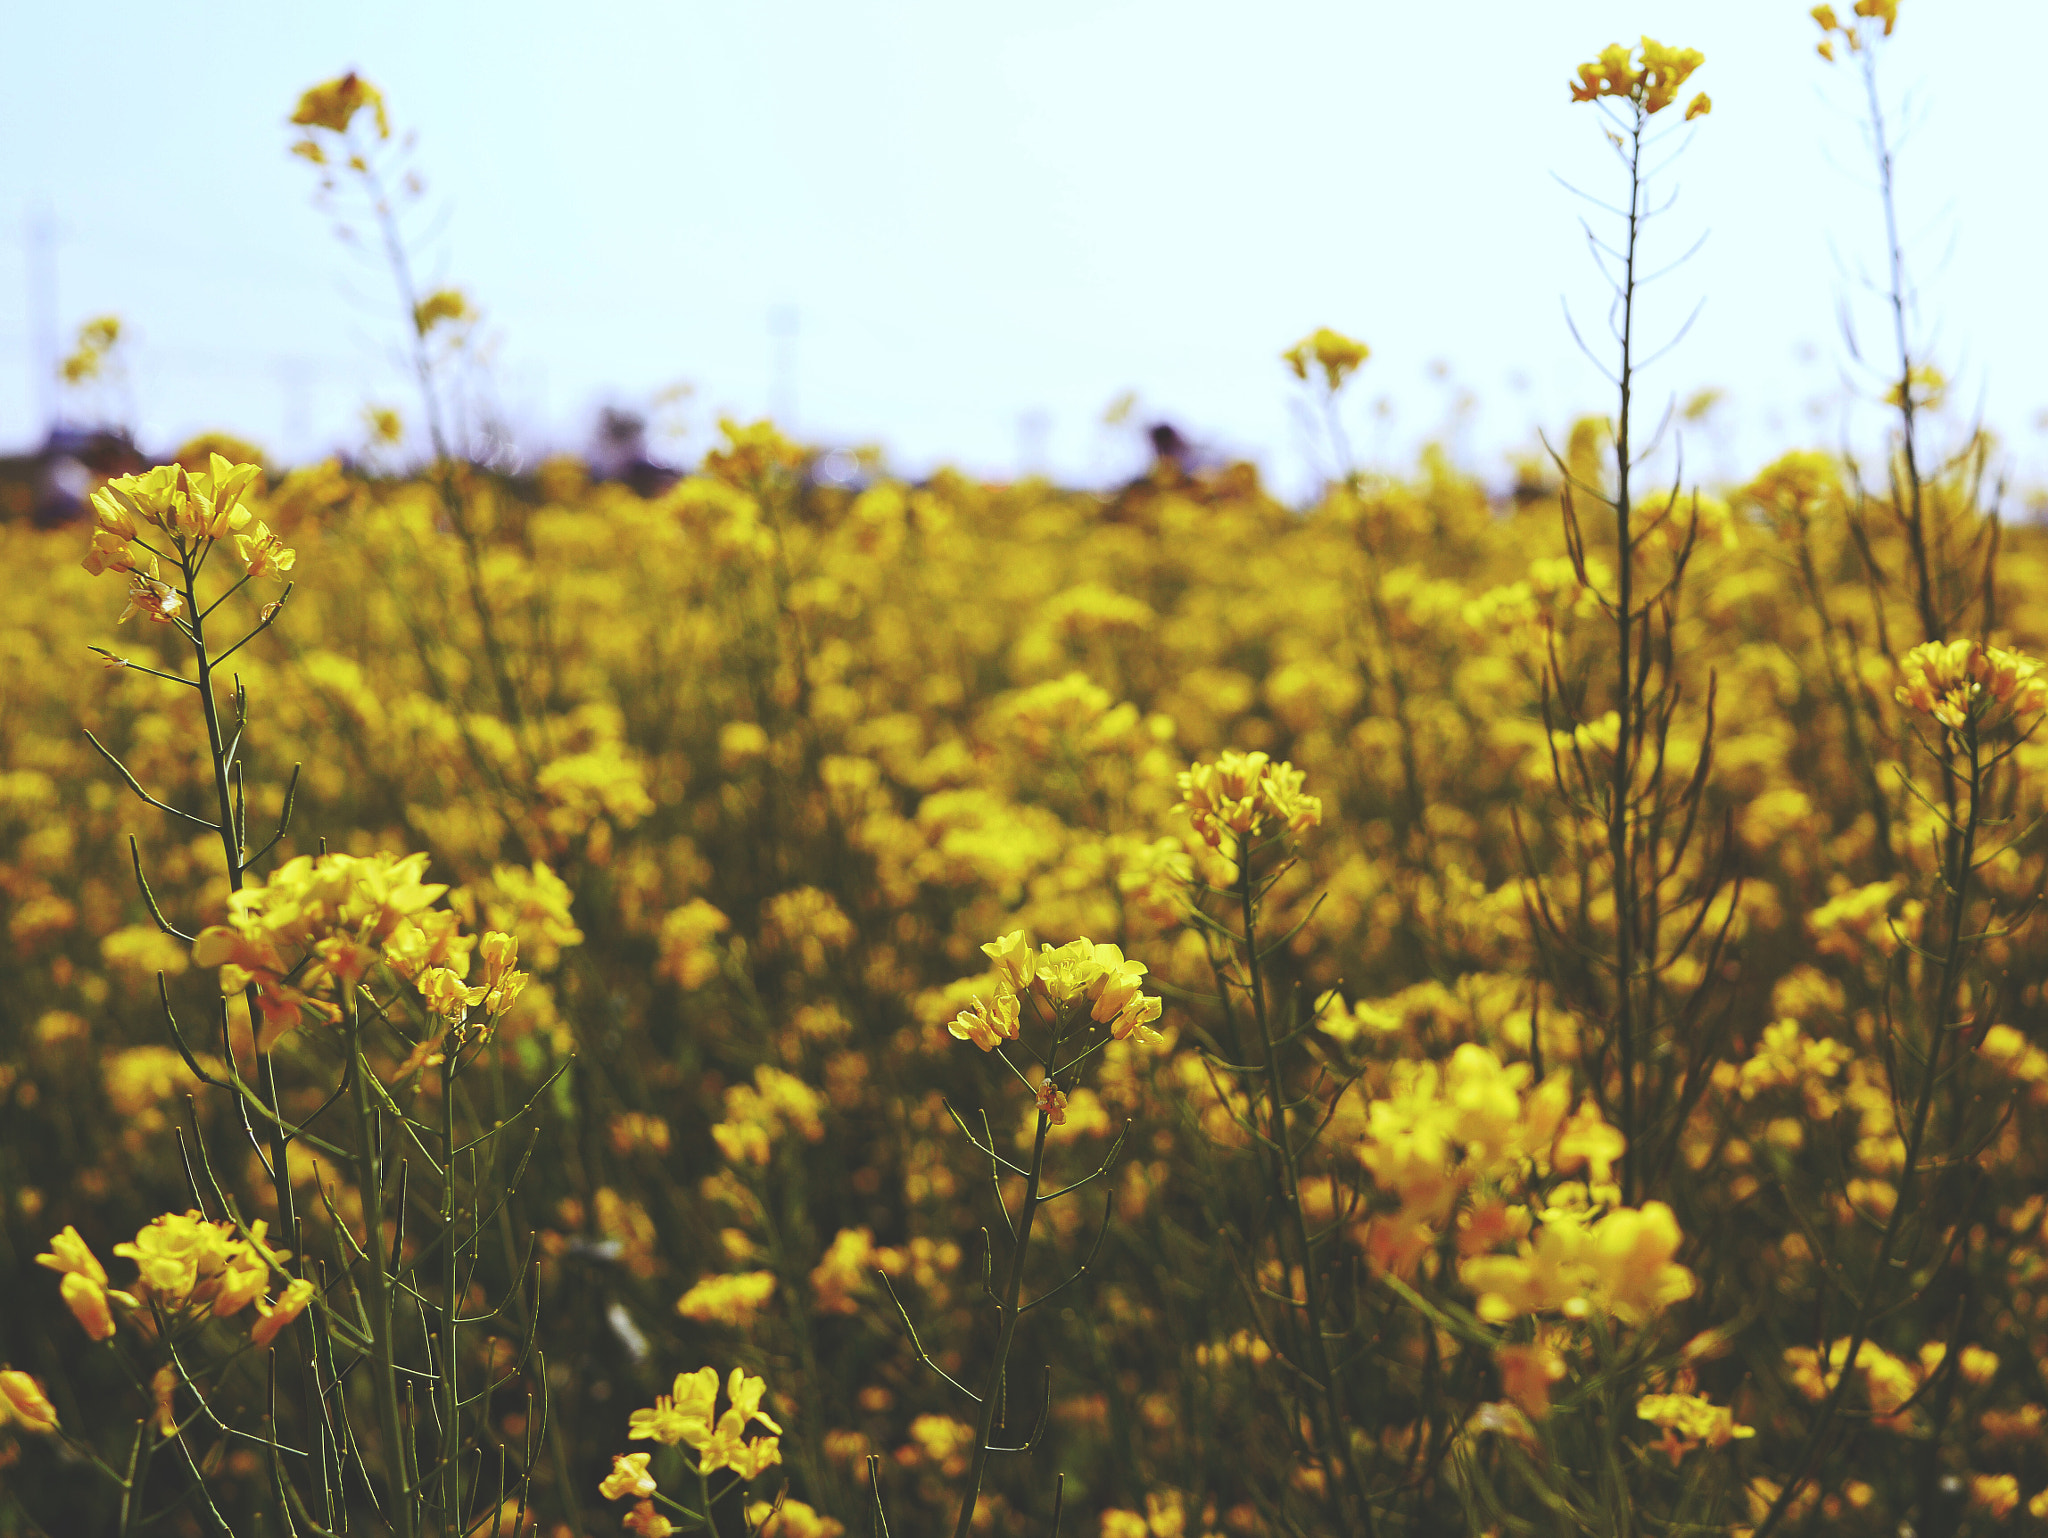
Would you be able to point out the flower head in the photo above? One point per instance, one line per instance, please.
(23, 1401)
(1961, 683)
(333, 105)
(1337, 355)
(1650, 77)
(628, 1478)
(1246, 795)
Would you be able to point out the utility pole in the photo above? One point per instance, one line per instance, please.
(782, 328)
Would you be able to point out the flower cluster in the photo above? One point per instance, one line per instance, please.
(1619, 1263)
(1650, 77)
(1689, 1421)
(322, 921)
(1337, 355)
(188, 1269)
(333, 104)
(689, 1415)
(1248, 796)
(193, 507)
(1063, 978)
(1960, 683)
(758, 1114)
(1883, 14)
(1443, 1130)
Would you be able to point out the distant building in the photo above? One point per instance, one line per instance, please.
(51, 484)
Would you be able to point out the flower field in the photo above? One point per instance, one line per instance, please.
(788, 1007)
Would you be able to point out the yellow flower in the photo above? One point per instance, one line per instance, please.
(448, 304)
(988, 1023)
(793, 1519)
(386, 426)
(70, 1253)
(847, 1265)
(643, 1521)
(1699, 106)
(1337, 355)
(1690, 1421)
(733, 1301)
(271, 1318)
(264, 553)
(333, 104)
(87, 1300)
(1630, 1255)
(202, 504)
(163, 1389)
(1116, 985)
(1015, 962)
(725, 1447)
(1246, 795)
(1960, 682)
(22, 1400)
(156, 601)
(682, 1415)
(628, 1478)
(1650, 79)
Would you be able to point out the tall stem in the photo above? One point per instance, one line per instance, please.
(1962, 849)
(383, 1359)
(233, 856)
(451, 1301)
(1013, 1288)
(1619, 842)
(1913, 516)
(1332, 1408)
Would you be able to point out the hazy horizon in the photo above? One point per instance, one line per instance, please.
(960, 235)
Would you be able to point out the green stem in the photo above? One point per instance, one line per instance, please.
(1332, 1408)
(370, 1187)
(233, 854)
(1619, 851)
(1962, 853)
(1013, 1287)
(451, 1302)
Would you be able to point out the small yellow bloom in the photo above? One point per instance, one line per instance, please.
(1699, 106)
(271, 1318)
(1052, 1104)
(643, 1521)
(22, 1400)
(264, 553)
(1015, 961)
(87, 1300)
(628, 1478)
(1337, 355)
(1690, 1421)
(448, 304)
(734, 1301)
(683, 1415)
(70, 1253)
(163, 1389)
(1649, 77)
(988, 1022)
(333, 104)
(793, 1519)
(159, 602)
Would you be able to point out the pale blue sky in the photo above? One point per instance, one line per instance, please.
(982, 213)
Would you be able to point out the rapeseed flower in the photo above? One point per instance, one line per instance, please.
(1649, 77)
(1248, 796)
